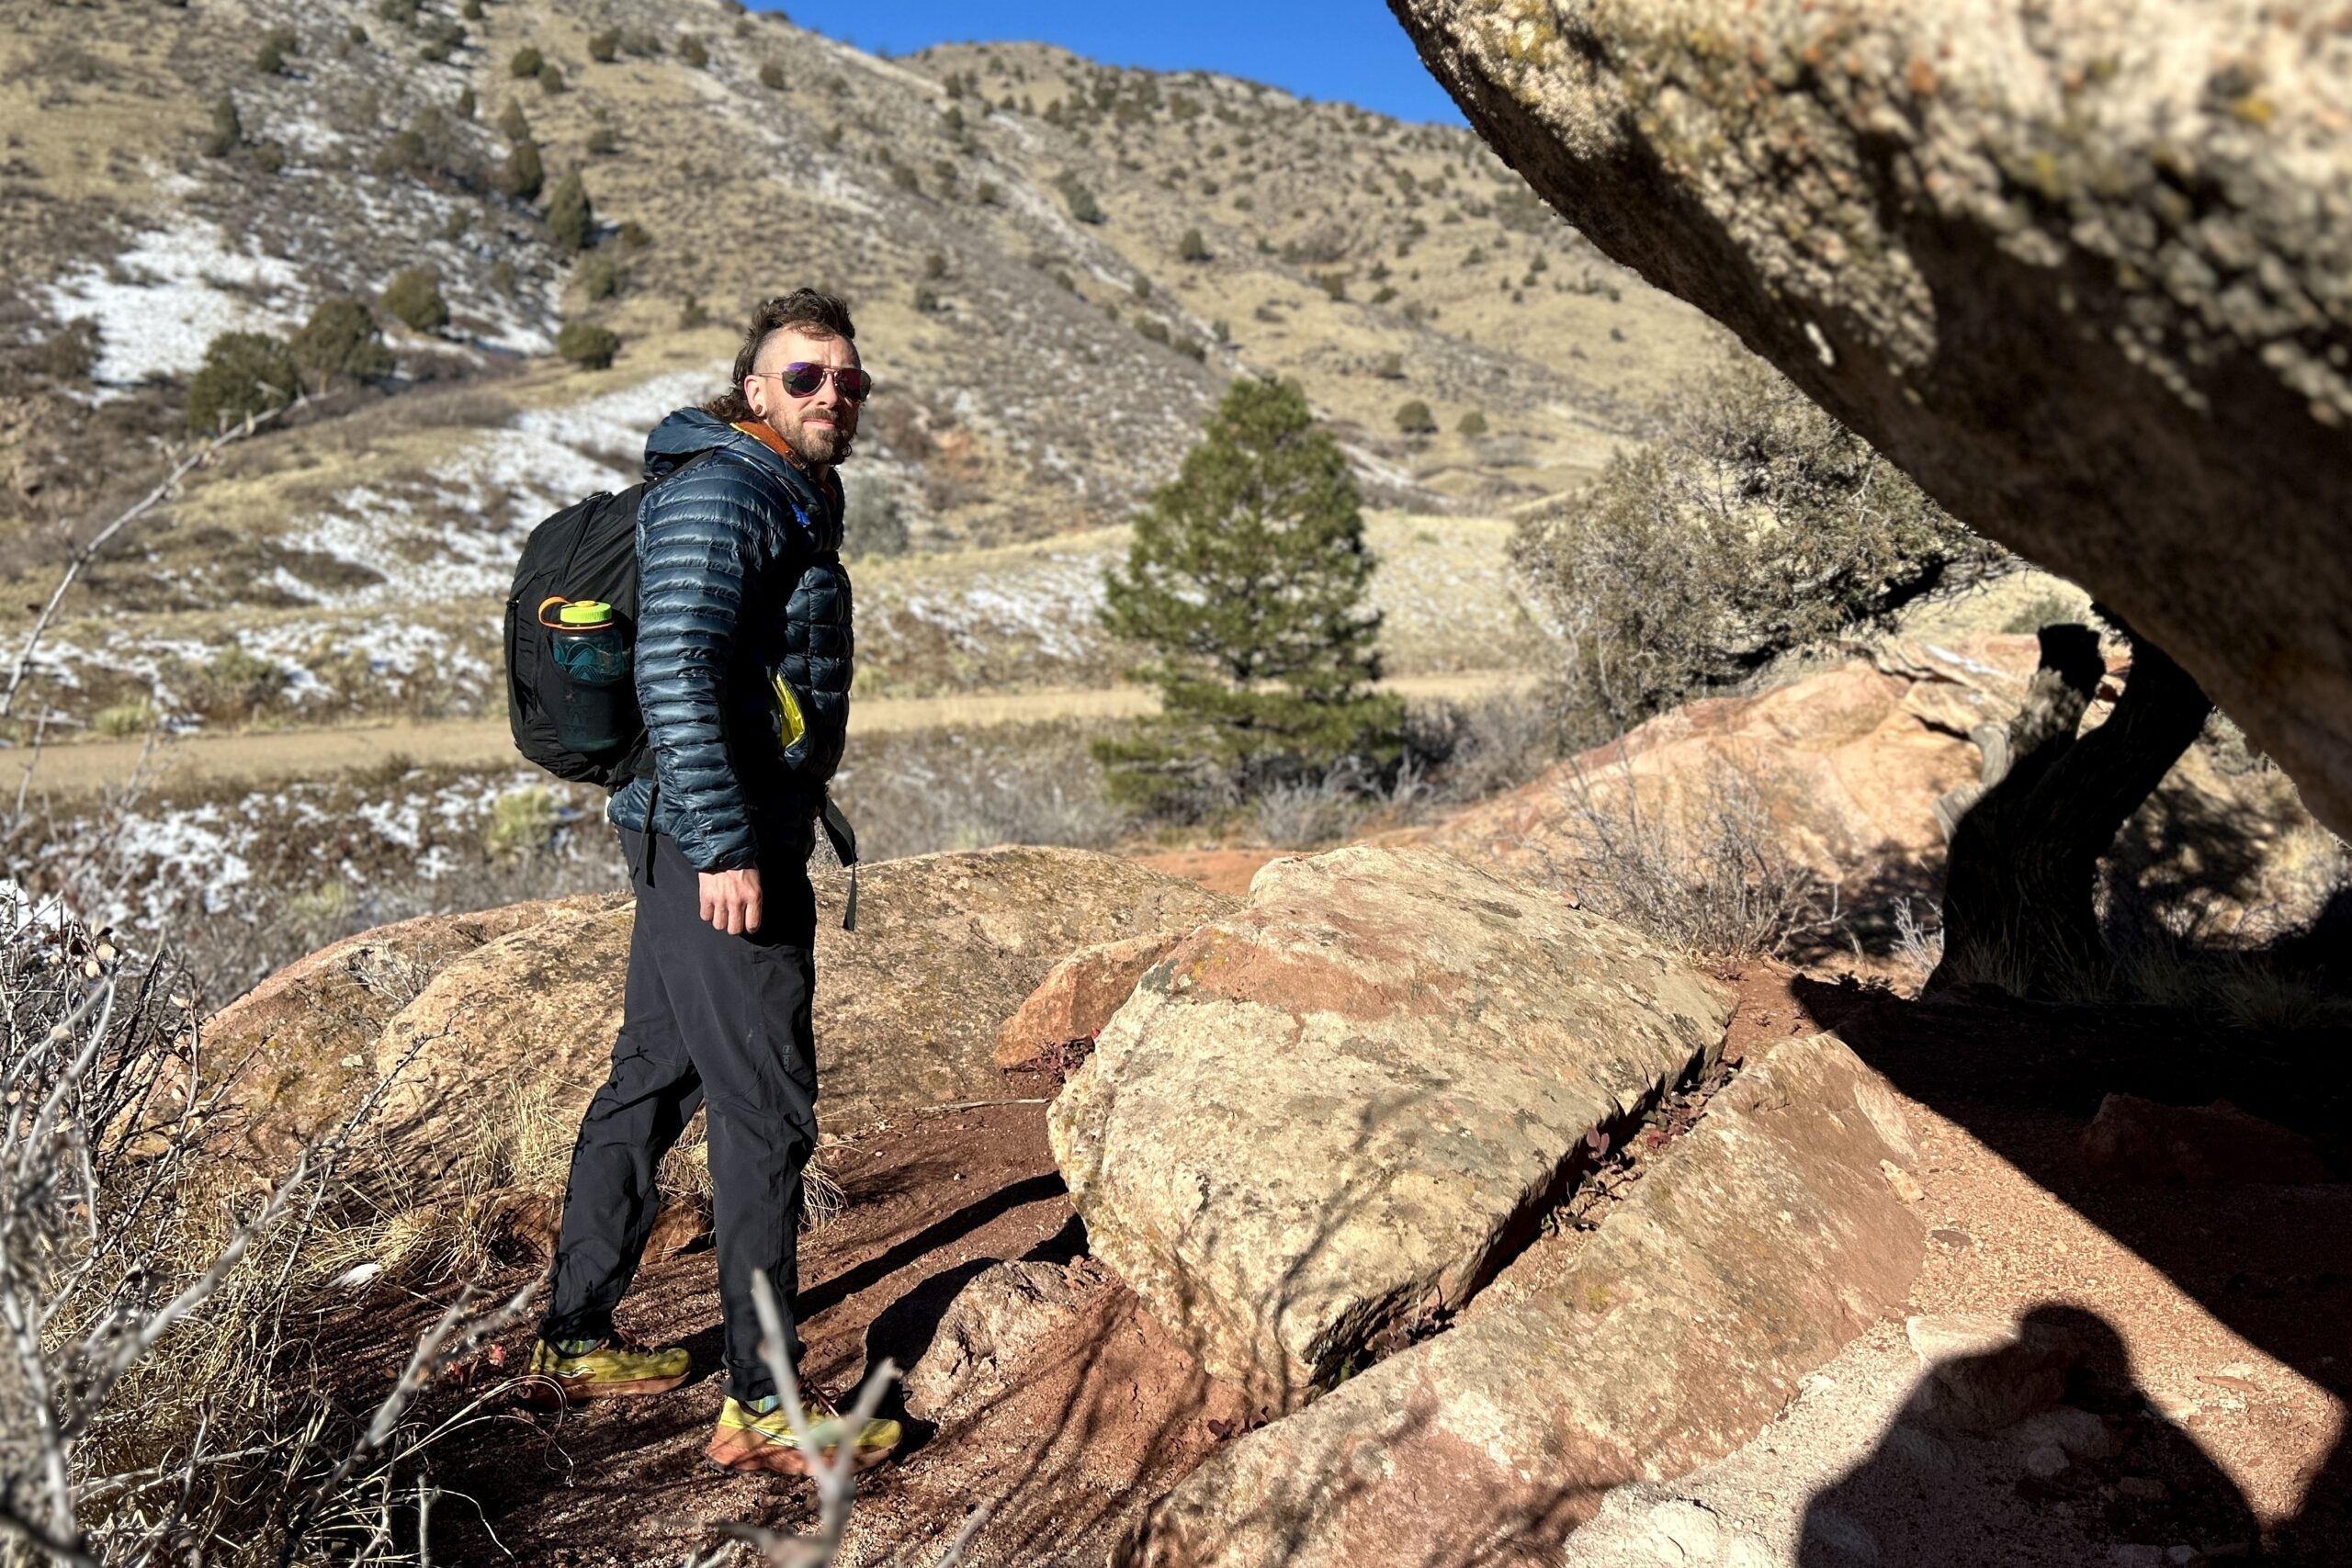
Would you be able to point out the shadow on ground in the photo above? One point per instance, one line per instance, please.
(2271, 1263)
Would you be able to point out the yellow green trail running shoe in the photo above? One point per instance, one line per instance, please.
(749, 1439)
(573, 1371)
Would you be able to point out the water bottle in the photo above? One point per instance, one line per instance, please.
(597, 712)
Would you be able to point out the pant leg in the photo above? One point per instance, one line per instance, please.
(610, 1200)
(742, 1009)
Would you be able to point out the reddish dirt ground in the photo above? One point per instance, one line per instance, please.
(1220, 871)
(2222, 1316)
(1110, 1415)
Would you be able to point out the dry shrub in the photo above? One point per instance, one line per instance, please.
(1752, 525)
(1711, 878)
(153, 1407)
(1471, 749)
(915, 792)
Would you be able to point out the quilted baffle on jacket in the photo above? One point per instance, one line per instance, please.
(744, 648)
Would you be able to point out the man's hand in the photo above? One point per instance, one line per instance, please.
(731, 899)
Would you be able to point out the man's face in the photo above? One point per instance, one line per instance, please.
(820, 426)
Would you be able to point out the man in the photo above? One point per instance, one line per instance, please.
(743, 674)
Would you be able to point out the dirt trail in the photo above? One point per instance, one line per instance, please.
(83, 767)
(1066, 1460)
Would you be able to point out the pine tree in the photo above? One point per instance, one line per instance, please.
(1247, 578)
(571, 219)
(414, 297)
(244, 374)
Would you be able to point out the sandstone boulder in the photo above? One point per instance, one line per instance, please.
(948, 946)
(303, 1036)
(1761, 1242)
(502, 1045)
(1841, 768)
(1330, 1112)
(1839, 773)
(2139, 1141)
(2077, 268)
(1641, 1526)
(1079, 995)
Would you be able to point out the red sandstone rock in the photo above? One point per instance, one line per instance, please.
(1079, 995)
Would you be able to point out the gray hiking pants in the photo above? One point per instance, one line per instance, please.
(710, 1021)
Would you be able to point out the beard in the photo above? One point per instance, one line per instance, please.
(820, 445)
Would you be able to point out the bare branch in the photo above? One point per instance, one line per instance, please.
(98, 541)
(59, 1551)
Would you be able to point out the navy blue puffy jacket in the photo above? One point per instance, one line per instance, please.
(742, 607)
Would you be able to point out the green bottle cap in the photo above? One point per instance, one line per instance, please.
(585, 613)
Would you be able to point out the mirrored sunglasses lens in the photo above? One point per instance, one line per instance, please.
(802, 379)
(855, 385)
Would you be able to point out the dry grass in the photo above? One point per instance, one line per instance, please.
(1713, 879)
(916, 792)
(155, 1400)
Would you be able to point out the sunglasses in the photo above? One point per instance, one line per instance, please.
(802, 379)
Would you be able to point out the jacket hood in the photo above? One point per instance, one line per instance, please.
(689, 433)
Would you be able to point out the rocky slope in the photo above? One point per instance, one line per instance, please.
(2077, 268)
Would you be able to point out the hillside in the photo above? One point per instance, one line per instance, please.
(1039, 373)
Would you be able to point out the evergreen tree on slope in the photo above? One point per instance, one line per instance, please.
(1247, 577)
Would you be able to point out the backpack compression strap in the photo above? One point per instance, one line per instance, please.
(842, 836)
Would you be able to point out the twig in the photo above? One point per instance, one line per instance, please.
(435, 1347)
(88, 551)
(972, 1523)
(836, 1477)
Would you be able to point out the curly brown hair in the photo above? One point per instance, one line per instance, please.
(812, 311)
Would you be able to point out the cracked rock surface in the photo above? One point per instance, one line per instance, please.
(1338, 1110)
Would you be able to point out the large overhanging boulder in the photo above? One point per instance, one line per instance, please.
(2083, 270)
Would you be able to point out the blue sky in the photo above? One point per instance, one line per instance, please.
(1347, 50)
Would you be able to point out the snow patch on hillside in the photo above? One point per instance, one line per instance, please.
(159, 302)
(463, 536)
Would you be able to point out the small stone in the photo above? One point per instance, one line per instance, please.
(2046, 1461)
(1079, 996)
(1843, 1534)
(2183, 1556)
(1906, 1186)
(991, 1330)
(1955, 1240)
(2176, 1408)
(1926, 1454)
(2140, 1489)
(2136, 1556)
(2139, 1141)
